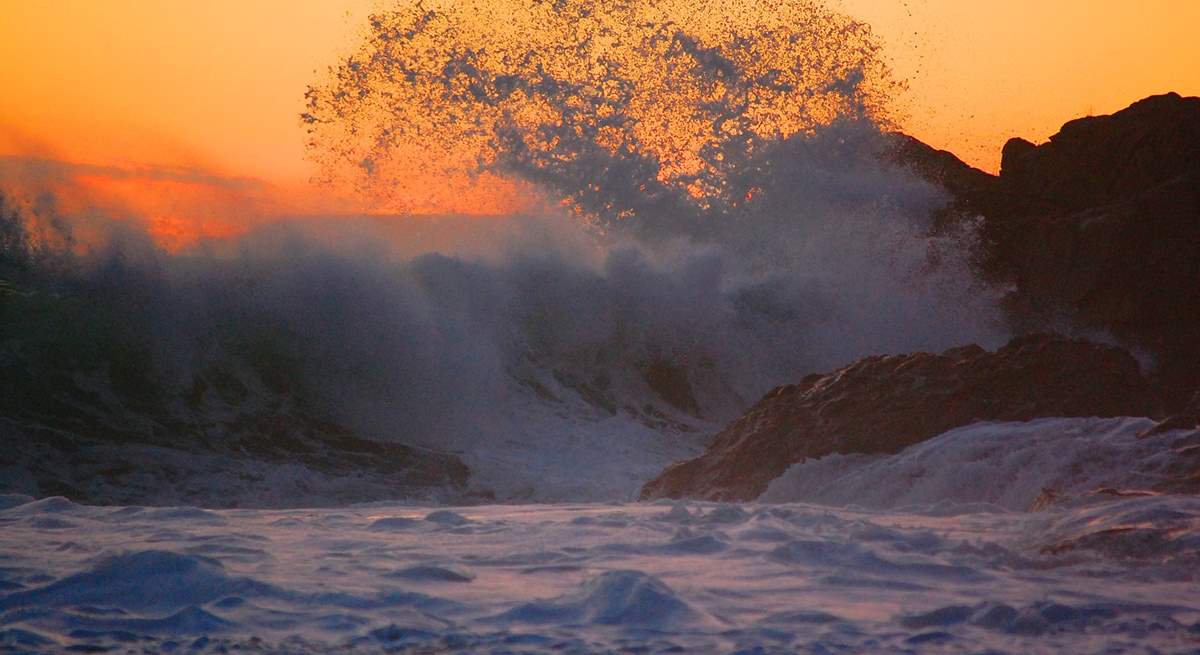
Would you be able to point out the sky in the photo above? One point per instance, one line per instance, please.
(144, 93)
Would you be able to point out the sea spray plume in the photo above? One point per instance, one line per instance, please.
(733, 259)
(520, 342)
(620, 108)
(727, 154)
(753, 128)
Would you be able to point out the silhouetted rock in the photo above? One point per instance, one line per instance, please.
(1097, 228)
(1100, 160)
(883, 404)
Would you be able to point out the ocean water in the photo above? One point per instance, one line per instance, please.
(1112, 577)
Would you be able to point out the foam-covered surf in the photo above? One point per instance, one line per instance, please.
(1010, 466)
(699, 578)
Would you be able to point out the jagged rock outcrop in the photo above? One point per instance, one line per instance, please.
(1099, 160)
(883, 404)
(1097, 228)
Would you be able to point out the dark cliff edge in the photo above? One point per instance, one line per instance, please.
(1095, 230)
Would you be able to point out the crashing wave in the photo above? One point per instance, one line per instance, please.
(734, 228)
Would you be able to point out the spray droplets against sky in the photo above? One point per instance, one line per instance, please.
(729, 223)
(610, 106)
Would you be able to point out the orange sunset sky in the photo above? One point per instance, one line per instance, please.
(162, 104)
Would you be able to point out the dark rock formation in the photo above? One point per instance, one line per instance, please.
(883, 404)
(1097, 228)
(1100, 160)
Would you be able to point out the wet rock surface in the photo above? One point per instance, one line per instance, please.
(884, 404)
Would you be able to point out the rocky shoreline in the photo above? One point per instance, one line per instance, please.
(1096, 230)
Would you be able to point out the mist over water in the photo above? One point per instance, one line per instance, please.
(746, 234)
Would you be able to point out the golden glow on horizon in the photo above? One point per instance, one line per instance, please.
(218, 85)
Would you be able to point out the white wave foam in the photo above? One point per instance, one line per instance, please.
(1002, 465)
(691, 577)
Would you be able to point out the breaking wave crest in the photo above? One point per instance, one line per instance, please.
(732, 222)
